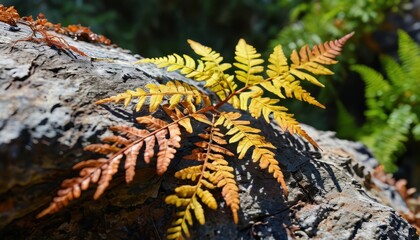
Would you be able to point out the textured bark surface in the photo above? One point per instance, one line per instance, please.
(47, 116)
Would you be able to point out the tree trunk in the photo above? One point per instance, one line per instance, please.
(48, 114)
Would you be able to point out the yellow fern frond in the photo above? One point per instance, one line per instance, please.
(248, 61)
(178, 92)
(186, 196)
(292, 89)
(290, 124)
(186, 65)
(211, 58)
(191, 173)
(213, 172)
(278, 63)
(269, 107)
(248, 137)
(313, 61)
(216, 79)
(224, 178)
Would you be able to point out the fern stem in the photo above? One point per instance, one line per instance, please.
(237, 93)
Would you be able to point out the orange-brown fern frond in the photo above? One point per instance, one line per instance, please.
(126, 145)
(312, 61)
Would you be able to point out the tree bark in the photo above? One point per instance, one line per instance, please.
(48, 114)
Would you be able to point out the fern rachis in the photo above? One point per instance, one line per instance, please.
(185, 104)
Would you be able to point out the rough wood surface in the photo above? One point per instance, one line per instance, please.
(47, 115)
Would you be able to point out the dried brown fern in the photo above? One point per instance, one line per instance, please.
(184, 104)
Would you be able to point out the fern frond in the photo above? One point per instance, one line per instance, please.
(178, 92)
(127, 146)
(376, 85)
(213, 172)
(224, 178)
(395, 74)
(268, 107)
(313, 61)
(211, 58)
(377, 90)
(167, 147)
(282, 79)
(248, 61)
(409, 53)
(278, 63)
(388, 141)
(186, 196)
(186, 65)
(216, 79)
(183, 103)
(247, 137)
(292, 89)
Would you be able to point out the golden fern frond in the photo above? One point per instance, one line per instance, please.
(212, 59)
(187, 198)
(248, 137)
(278, 63)
(248, 61)
(213, 172)
(178, 92)
(292, 89)
(224, 178)
(219, 82)
(186, 65)
(126, 145)
(269, 107)
(313, 61)
(283, 77)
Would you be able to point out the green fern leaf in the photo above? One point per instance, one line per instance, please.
(387, 142)
(409, 52)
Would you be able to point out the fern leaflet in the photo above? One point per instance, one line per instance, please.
(213, 172)
(179, 92)
(248, 61)
(247, 137)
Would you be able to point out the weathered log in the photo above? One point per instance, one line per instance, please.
(48, 114)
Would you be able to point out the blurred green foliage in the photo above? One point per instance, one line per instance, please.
(393, 104)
